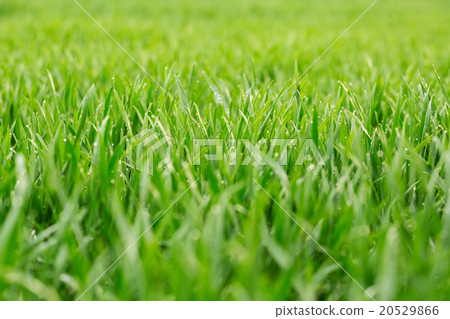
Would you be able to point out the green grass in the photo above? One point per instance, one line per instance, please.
(374, 105)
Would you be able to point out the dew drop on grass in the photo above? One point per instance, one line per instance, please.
(33, 234)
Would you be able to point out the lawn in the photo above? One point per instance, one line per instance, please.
(362, 211)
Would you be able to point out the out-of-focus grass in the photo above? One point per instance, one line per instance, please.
(69, 99)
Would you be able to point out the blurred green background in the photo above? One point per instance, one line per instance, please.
(224, 37)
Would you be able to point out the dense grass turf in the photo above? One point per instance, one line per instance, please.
(374, 105)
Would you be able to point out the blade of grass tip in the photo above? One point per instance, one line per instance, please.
(191, 79)
(87, 100)
(108, 102)
(183, 95)
(67, 91)
(52, 83)
(253, 71)
(263, 126)
(219, 98)
(441, 84)
(124, 113)
(315, 126)
(274, 102)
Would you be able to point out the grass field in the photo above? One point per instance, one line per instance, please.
(376, 106)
